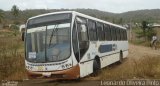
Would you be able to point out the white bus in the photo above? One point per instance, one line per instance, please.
(71, 45)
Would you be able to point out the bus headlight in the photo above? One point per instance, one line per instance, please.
(29, 67)
(46, 74)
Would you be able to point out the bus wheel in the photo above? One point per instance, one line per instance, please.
(77, 79)
(121, 57)
(96, 67)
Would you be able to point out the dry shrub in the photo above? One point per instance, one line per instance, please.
(11, 58)
(146, 67)
(142, 68)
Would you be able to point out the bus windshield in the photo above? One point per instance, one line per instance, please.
(48, 40)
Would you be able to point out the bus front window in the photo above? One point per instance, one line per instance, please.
(58, 42)
(48, 43)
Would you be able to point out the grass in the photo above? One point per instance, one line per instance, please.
(143, 68)
(144, 43)
(11, 56)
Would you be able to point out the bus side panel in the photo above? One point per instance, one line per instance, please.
(110, 59)
(107, 57)
(123, 45)
(113, 56)
(86, 68)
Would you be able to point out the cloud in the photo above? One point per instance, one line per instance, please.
(105, 5)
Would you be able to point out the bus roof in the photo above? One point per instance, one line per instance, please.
(80, 14)
(46, 14)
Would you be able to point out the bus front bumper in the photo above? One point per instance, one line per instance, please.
(71, 73)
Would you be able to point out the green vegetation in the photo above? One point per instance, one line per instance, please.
(147, 31)
(15, 29)
(15, 13)
(143, 34)
(1, 16)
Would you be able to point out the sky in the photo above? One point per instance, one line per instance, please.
(115, 6)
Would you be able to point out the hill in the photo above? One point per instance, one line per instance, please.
(140, 15)
(131, 16)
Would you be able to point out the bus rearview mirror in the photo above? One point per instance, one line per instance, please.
(22, 36)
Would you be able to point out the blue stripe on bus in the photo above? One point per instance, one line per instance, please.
(105, 48)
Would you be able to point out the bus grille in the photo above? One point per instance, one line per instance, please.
(57, 76)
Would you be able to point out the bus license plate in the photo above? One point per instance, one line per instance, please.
(40, 68)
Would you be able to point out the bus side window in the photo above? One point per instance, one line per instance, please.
(103, 33)
(107, 32)
(110, 34)
(105, 29)
(125, 35)
(111, 30)
(121, 33)
(92, 30)
(100, 32)
(118, 34)
(113, 33)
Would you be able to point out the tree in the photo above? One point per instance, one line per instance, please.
(120, 21)
(144, 27)
(113, 20)
(15, 12)
(1, 16)
(14, 28)
(146, 31)
(150, 32)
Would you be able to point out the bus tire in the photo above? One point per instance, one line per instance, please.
(96, 66)
(77, 79)
(121, 57)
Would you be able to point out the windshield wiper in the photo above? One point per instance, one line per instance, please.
(54, 29)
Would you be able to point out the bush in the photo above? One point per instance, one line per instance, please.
(15, 29)
(147, 67)
(11, 57)
(142, 68)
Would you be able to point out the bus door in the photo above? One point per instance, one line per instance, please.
(80, 46)
(82, 37)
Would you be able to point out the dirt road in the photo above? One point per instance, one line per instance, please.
(141, 51)
(134, 52)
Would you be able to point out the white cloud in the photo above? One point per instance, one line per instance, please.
(105, 5)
